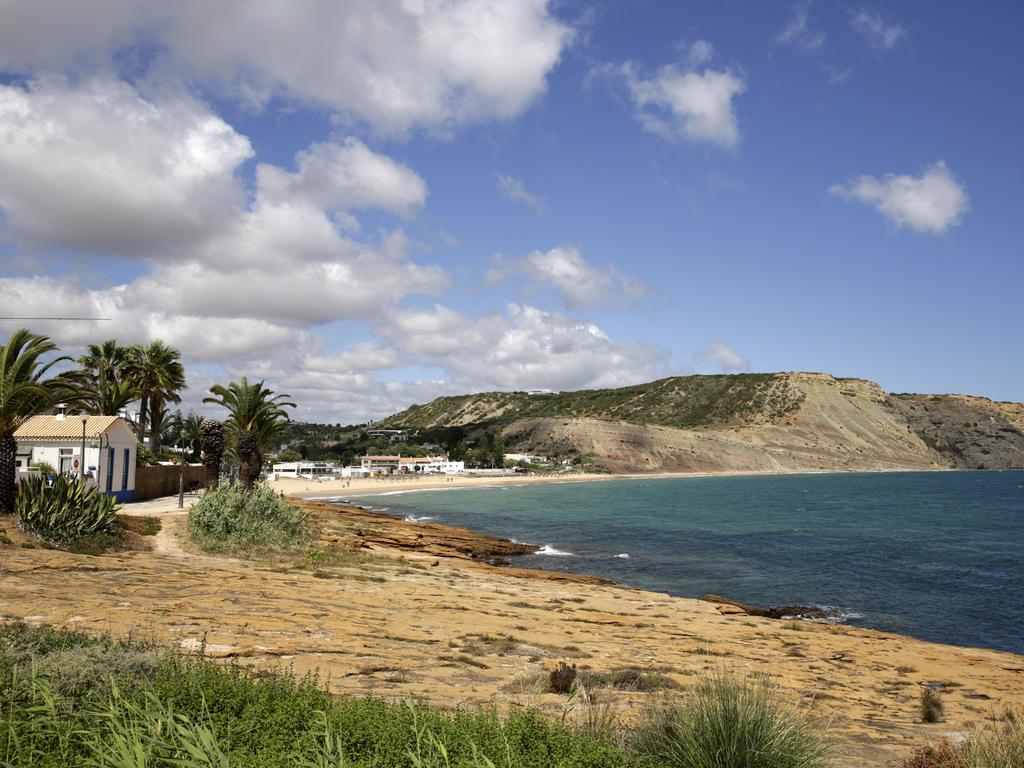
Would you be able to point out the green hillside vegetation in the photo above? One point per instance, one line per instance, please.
(689, 402)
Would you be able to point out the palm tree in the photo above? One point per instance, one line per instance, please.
(213, 450)
(23, 394)
(256, 417)
(157, 373)
(107, 398)
(104, 362)
(191, 427)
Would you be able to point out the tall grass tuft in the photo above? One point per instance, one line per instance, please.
(931, 706)
(230, 516)
(729, 722)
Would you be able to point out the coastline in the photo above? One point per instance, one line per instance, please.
(416, 614)
(316, 490)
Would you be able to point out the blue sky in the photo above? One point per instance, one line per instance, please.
(372, 203)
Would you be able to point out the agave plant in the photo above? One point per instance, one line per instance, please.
(64, 510)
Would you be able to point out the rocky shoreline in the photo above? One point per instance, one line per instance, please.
(414, 610)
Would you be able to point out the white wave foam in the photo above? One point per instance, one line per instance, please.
(547, 549)
(419, 519)
(623, 556)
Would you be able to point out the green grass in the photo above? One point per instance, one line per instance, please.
(727, 722)
(70, 700)
(996, 745)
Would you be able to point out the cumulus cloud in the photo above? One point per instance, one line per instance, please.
(723, 358)
(99, 166)
(928, 204)
(876, 31)
(580, 283)
(394, 64)
(523, 348)
(345, 175)
(799, 33)
(515, 190)
(682, 102)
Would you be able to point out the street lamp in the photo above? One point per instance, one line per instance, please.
(181, 476)
(81, 466)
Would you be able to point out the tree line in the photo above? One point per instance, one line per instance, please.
(109, 378)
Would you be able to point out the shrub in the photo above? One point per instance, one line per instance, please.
(998, 746)
(65, 510)
(46, 470)
(995, 746)
(191, 712)
(231, 516)
(730, 723)
(931, 706)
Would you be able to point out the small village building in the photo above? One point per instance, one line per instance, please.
(110, 450)
(308, 470)
(390, 465)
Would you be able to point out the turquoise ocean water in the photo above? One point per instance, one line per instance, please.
(936, 555)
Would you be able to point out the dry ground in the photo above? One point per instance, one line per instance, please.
(385, 612)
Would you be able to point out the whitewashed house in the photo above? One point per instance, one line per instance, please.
(110, 448)
(307, 470)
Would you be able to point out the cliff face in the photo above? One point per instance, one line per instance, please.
(971, 432)
(783, 422)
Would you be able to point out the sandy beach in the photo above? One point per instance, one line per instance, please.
(311, 489)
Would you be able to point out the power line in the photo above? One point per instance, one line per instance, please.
(54, 318)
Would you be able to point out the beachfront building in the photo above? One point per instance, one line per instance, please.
(109, 457)
(307, 470)
(390, 465)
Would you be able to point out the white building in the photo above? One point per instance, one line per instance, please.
(388, 465)
(110, 448)
(308, 470)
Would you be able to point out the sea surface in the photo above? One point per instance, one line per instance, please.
(935, 555)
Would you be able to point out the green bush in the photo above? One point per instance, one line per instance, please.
(229, 516)
(65, 510)
(191, 712)
(730, 723)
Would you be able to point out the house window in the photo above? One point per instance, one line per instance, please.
(110, 469)
(124, 470)
(65, 461)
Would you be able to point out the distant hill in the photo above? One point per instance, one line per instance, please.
(742, 422)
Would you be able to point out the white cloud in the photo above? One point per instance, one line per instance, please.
(700, 53)
(514, 189)
(396, 64)
(345, 175)
(524, 348)
(930, 203)
(684, 103)
(580, 283)
(799, 33)
(877, 32)
(724, 358)
(98, 166)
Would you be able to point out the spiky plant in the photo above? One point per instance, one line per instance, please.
(23, 393)
(65, 509)
(257, 417)
(213, 450)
